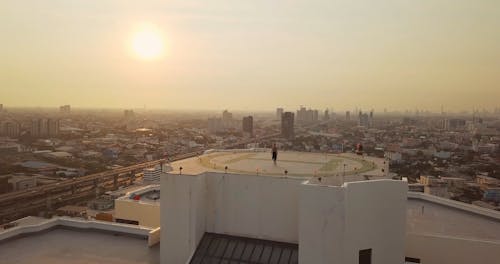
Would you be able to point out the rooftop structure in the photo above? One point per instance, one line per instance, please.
(331, 224)
(332, 168)
(68, 240)
(238, 214)
(151, 175)
(139, 207)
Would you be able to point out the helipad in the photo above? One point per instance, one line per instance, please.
(300, 164)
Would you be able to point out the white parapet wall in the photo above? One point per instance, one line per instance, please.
(337, 222)
(287, 210)
(255, 206)
(437, 248)
(431, 249)
(455, 204)
(74, 223)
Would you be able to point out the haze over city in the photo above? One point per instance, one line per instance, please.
(249, 131)
(251, 55)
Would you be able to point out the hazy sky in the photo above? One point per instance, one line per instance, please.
(250, 55)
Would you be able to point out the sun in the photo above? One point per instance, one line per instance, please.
(148, 42)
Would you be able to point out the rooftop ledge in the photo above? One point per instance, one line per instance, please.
(81, 224)
(455, 204)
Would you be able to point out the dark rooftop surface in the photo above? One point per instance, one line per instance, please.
(225, 249)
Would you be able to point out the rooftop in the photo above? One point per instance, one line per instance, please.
(60, 246)
(297, 164)
(74, 240)
(427, 214)
(149, 194)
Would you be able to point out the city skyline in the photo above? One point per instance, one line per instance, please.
(260, 54)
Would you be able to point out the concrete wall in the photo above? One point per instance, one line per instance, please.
(375, 218)
(154, 237)
(455, 204)
(331, 224)
(74, 223)
(321, 224)
(147, 214)
(256, 206)
(440, 249)
(337, 222)
(183, 219)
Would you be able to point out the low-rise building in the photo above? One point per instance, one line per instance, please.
(139, 207)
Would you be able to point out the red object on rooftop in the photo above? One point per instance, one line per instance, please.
(137, 197)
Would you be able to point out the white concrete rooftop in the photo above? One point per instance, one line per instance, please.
(297, 164)
(425, 217)
(61, 246)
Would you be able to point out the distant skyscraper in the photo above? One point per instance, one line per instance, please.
(454, 124)
(44, 127)
(326, 116)
(1, 107)
(35, 128)
(65, 109)
(129, 113)
(307, 115)
(226, 115)
(215, 125)
(10, 129)
(364, 119)
(287, 129)
(248, 125)
(53, 127)
(279, 113)
(348, 115)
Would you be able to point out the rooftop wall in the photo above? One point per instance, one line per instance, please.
(442, 249)
(287, 210)
(337, 222)
(255, 206)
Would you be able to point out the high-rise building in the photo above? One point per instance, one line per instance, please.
(10, 129)
(35, 128)
(53, 127)
(226, 115)
(65, 109)
(348, 115)
(454, 124)
(44, 127)
(151, 175)
(306, 116)
(128, 113)
(215, 125)
(248, 125)
(287, 129)
(364, 119)
(279, 113)
(326, 116)
(1, 107)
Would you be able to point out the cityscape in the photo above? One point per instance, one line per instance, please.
(237, 132)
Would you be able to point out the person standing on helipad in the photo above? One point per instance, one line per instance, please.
(275, 153)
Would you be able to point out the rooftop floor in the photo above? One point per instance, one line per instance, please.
(61, 246)
(299, 164)
(430, 218)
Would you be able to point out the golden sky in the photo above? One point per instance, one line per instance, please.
(252, 55)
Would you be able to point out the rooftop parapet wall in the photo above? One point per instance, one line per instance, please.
(455, 204)
(336, 222)
(66, 222)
